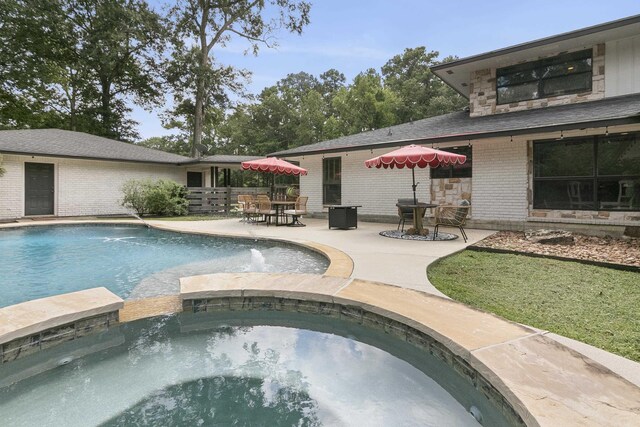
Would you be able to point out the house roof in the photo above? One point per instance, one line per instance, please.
(457, 74)
(64, 143)
(459, 126)
(224, 159)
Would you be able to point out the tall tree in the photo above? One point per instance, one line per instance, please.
(422, 94)
(366, 104)
(79, 61)
(213, 23)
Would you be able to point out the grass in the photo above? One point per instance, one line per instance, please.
(596, 305)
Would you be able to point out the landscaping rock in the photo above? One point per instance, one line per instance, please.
(603, 249)
(548, 237)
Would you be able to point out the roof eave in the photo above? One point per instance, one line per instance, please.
(64, 156)
(541, 42)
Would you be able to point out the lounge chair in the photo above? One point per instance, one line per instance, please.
(299, 210)
(452, 216)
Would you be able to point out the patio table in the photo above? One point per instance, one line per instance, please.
(417, 214)
(280, 206)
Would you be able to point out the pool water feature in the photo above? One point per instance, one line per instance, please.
(130, 261)
(255, 369)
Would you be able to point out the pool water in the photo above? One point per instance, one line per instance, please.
(130, 261)
(203, 369)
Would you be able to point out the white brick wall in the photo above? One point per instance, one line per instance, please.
(499, 183)
(377, 190)
(12, 187)
(82, 187)
(499, 187)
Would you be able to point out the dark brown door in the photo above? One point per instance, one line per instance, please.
(194, 179)
(38, 189)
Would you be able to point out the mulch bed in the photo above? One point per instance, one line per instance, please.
(625, 251)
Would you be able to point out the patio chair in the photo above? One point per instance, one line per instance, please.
(406, 214)
(265, 209)
(299, 210)
(248, 206)
(452, 216)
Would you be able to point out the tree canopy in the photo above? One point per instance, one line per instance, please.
(83, 64)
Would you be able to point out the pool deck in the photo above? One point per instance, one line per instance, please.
(555, 378)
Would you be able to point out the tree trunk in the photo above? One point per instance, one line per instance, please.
(200, 89)
(105, 98)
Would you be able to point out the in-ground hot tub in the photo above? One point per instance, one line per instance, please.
(243, 368)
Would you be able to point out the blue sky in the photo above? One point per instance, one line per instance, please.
(353, 35)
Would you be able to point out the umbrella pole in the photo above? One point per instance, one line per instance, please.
(413, 176)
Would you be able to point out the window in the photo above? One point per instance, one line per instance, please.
(560, 75)
(331, 180)
(457, 171)
(592, 173)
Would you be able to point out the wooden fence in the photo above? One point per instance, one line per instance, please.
(218, 200)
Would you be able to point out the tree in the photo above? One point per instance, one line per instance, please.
(169, 143)
(366, 104)
(76, 64)
(211, 23)
(422, 94)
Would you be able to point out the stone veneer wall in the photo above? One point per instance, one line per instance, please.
(450, 191)
(483, 96)
(366, 318)
(24, 346)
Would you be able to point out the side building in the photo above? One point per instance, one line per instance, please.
(52, 172)
(552, 136)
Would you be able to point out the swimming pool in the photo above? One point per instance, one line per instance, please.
(253, 369)
(131, 261)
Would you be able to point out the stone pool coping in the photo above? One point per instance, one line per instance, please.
(31, 317)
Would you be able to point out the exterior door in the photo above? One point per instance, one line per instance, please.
(38, 189)
(194, 179)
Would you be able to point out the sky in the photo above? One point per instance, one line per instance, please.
(354, 35)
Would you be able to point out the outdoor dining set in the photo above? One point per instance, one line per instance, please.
(261, 209)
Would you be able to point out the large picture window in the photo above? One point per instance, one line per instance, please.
(560, 75)
(331, 181)
(592, 173)
(457, 171)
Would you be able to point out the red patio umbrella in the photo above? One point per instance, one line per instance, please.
(415, 155)
(273, 165)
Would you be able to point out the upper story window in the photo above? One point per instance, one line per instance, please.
(457, 171)
(560, 75)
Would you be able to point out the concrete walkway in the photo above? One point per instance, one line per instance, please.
(386, 260)
(377, 258)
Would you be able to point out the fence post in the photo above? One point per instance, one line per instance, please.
(227, 205)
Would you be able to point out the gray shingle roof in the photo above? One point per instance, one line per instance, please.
(226, 158)
(459, 126)
(64, 143)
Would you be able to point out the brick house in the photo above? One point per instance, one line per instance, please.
(552, 133)
(52, 172)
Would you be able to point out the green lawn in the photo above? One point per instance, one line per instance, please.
(596, 305)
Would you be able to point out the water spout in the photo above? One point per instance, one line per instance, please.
(135, 215)
(258, 262)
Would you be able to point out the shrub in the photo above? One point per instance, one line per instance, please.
(167, 198)
(162, 197)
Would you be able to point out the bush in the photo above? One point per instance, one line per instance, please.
(162, 197)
